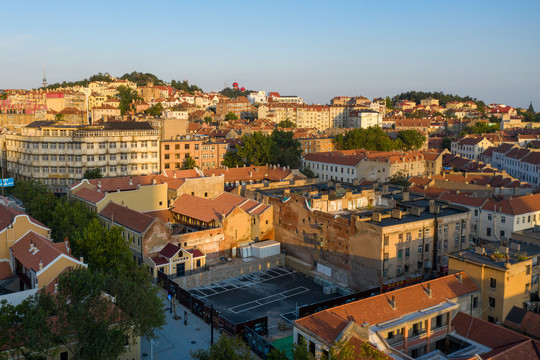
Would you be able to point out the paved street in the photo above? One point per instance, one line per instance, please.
(176, 340)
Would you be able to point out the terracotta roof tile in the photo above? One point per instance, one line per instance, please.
(126, 217)
(5, 270)
(169, 250)
(329, 323)
(46, 251)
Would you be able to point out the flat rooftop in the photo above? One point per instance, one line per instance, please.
(273, 293)
(495, 256)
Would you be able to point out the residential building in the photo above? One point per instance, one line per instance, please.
(37, 261)
(284, 99)
(242, 220)
(429, 101)
(234, 177)
(403, 324)
(175, 261)
(333, 228)
(258, 97)
(364, 119)
(503, 273)
(351, 165)
(240, 106)
(58, 155)
(105, 113)
(143, 233)
(206, 154)
(470, 147)
(316, 144)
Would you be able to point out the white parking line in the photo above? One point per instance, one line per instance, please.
(276, 297)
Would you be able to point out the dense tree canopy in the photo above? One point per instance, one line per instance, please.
(155, 110)
(231, 116)
(226, 348)
(258, 149)
(184, 86)
(372, 138)
(94, 173)
(411, 139)
(189, 163)
(480, 128)
(286, 124)
(126, 96)
(443, 98)
(232, 159)
(284, 149)
(234, 93)
(142, 79)
(111, 270)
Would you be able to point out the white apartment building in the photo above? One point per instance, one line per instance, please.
(58, 155)
(364, 119)
(470, 147)
(258, 97)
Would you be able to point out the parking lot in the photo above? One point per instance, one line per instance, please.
(275, 293)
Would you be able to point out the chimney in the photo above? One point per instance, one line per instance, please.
(428, 290)
(40, 264)
(130, 181)
(376, 217)
(117, 189)
(396, 214)
(66, 242)
(81, 259)
(154, 182)
(393, 302)
(405, 196)
(99, 184)
(174, 175)
(459, 277)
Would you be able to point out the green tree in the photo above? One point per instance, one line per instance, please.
(155, 110)
(189, 163)
(276, 354)
(342, 350)
(284, 149)
(255, 149)
(94, 173)
(184, 86)
(208, 119)
(286, 124)
(399, 178)
(231, 116)
(126, 96)
(59, 117)
(70, 219)
(104, 249)
(226, 348)
(389, 104)
(38, 200)
(372, 138)
(308, 173)
(531, 108)
(411, 139)
(232, 159)
(142, 79)
(447, 143)
(301, 352)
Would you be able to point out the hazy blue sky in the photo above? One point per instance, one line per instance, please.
(315, 49)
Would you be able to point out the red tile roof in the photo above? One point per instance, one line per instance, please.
(44, 251)
(515, 206)
(8, 214)
(196, 253)
(169, 250)
(504, 343)
(92, 196)
(329, 323)
(126, 217)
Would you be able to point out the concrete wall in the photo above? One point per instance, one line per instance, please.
(205, 187)
(218, 273)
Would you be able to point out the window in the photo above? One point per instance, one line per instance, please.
(488, 231)
(491, 319)
(166, 147)
(492, 283)
(457, 226)
(390, 335)
(527, 288)
(419, 249)
(427, 232)
(491, 302)
(475, 212)
(419, 234)
(475, 302)
(501, 233)
(386, 240)
(490, 217)
(64, 355)
(407, 251)
(400, 254)
(503, 219)
(438, 321)
(528, 270)
(426, 248)
(399, 270)
(102, 145)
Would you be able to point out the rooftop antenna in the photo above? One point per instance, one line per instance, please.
(44, 79)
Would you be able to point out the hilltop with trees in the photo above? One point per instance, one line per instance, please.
(443, 98)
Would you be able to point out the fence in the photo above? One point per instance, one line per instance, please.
(200, 309)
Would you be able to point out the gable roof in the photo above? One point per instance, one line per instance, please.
(43, 251)
(8, 214)
(329, 323)
(126, 217)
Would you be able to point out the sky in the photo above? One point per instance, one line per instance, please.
(314, 49)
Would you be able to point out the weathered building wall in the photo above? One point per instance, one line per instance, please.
(155, 238)
(228, 271)
(207, 240)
